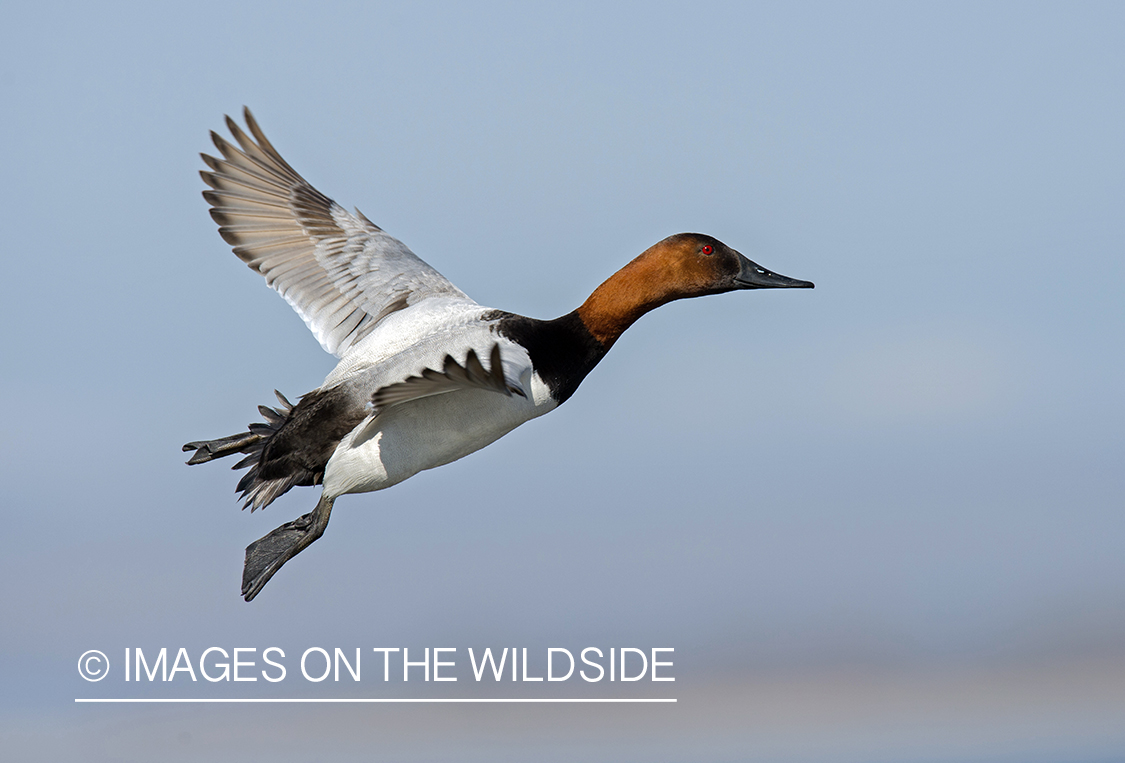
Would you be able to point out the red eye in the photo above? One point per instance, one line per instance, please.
(707, 249)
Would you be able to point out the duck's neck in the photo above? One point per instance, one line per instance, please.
(566, 349)
(562, 351)
(640, 286)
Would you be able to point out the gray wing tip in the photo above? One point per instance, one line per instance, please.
(232, 125)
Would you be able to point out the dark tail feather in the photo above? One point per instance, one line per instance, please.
(251, 443)
(245, 442)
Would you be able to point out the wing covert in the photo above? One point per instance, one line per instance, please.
(339, 271)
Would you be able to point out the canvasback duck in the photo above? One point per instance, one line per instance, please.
(426, 375)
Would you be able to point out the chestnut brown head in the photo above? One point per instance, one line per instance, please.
(694, 264)
(681, 266)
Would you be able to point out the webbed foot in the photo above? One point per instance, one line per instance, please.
(265, 556)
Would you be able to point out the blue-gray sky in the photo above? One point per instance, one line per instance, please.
(881, 520)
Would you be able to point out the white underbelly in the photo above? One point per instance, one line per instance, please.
(424, 434)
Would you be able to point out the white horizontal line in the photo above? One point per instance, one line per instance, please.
(375, 699)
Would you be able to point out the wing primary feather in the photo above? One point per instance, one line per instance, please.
(224, 171)
(236, 157)
(258, 155)
(264, 142)
(339, 271)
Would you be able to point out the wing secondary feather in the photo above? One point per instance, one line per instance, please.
(452, 377)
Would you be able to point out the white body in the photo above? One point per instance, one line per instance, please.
(433, 431)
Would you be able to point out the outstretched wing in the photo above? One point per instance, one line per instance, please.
(339, 271)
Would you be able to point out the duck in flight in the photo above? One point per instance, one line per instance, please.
(426, 375)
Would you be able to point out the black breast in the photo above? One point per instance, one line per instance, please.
(562, 351)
